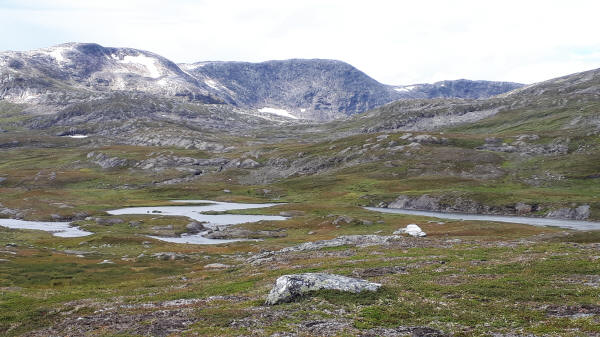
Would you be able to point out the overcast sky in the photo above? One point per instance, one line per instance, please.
(395, 42)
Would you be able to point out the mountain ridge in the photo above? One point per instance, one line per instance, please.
(314, 89)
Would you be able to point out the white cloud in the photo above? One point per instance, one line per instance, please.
(396, 42)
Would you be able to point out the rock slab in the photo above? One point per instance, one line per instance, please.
(288, 287)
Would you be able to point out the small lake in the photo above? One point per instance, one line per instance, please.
(196, 212)
(64, 229)
(571, 224)
(61, 229)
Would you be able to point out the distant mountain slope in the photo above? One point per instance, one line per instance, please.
(314, 89)
(49, 79)
(570, 102)
(457, 89)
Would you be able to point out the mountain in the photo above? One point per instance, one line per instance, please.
(312, 89)
(457, 89)
(49, 79)
(74, 71)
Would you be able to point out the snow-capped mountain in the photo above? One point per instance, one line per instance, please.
(80, 68)
(315, 89)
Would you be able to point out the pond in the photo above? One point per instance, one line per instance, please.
(64, 229)
(61, 229)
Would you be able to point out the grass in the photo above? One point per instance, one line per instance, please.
(469, 278)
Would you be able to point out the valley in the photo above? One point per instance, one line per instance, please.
(528, 151)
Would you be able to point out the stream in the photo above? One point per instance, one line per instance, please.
(571, 224)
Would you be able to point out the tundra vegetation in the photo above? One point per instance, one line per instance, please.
(534, 152)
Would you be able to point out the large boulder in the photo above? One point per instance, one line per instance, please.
(412, 230)
(195, 227)
(288, 287)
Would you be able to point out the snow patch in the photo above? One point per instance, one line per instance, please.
(279, 112)
(212, 84)
(404, 89)
(78, 136)
(56, 53)
(147, 62)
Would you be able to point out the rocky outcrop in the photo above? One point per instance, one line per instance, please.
(453, 204)
(346, 240)
(578, 213)
(107, 162)
(424, 202)
(458, 204)
(108, 221)
(195, 227)
(289, 287)
(520, 144)
(164, 161)
(241, 233)
(11, 213)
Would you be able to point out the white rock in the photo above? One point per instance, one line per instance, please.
(412, 230)
(217, 266)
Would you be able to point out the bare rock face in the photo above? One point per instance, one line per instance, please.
(105, 161)
(288, 287)
(578, 213)
(424, 202)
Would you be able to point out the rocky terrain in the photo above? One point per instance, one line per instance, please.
(86, 129)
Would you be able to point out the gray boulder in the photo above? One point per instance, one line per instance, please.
(343, 219)
(249, 163)
(288, 287)
(523, 208)
(195, 227)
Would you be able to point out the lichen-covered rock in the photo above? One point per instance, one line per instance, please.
(288, 287)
